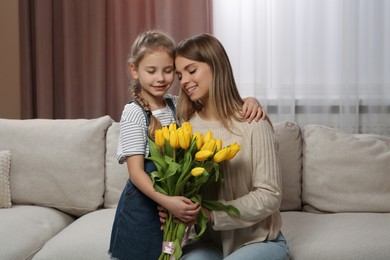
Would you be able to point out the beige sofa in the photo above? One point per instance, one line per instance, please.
(63, 181)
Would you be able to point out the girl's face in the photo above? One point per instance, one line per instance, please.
(195, 78)
(155, 73)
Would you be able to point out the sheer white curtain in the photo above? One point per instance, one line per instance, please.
(314, 62)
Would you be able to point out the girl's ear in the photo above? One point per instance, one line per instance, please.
(133, 70)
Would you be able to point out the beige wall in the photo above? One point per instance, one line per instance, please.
(9, 60)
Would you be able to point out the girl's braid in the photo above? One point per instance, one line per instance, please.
(154, 122)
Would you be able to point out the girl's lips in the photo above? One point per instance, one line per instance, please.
(160, 87)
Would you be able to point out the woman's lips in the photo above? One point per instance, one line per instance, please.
(190, 90)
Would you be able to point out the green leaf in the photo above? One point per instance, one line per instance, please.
(193, 148)
(168, 149)
(161, 165)
(171, 177)
(181, 229)
(218, 177)
(187, 162)
(177, 252)
(184, 173)
(168, 159)
(172, 169)
(202, 222)
(208, 165)
(218, 206)
(196, 198)
(159, 189)
(154, 150)
(155, 176)
(200, 180)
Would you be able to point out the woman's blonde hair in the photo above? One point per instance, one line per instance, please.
(224, 95)
(145, 43)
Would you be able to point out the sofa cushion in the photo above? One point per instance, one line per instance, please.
(57, 163)
(116, 174)
(290, 156)
(25, 229)
(86, 238)
(5, 192)
(344, 172)
(347, 236)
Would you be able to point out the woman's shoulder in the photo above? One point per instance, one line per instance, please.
(261, 125)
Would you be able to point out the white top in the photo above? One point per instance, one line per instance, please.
(133, 130)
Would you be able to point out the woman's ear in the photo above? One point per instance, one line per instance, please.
(133, 70)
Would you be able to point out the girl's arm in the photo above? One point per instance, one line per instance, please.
(181, 207)
(252, 109)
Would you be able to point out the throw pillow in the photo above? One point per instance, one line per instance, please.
(290, 156)
(344, 172)
(5, 191)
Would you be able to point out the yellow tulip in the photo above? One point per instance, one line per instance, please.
(165, 131)
(172, 126)
(208, 136)
(159, 138)
(218, 144)
(199, 139)
(187, 126)
(234, 148)
(221, 155)
(197, 171)
(173, 139)
(209, 145)
(184, 138)
(203, 155)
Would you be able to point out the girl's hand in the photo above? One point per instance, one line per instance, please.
(252, 109)
(163, 216)
(182, 208)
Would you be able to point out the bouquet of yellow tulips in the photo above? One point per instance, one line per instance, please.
(186, 163)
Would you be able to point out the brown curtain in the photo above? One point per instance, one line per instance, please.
(73, 53)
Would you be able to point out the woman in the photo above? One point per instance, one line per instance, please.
(209, 99)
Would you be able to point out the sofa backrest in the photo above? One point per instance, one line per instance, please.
(345, 172)
(56, 163)
(116, 174)
(290, 153)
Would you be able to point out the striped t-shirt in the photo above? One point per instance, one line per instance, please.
(133, 129)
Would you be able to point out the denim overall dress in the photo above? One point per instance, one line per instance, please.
(136, 233)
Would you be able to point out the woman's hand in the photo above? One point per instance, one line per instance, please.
(252, 109)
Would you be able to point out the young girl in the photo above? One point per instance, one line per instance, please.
(136, 230)
(209, 99)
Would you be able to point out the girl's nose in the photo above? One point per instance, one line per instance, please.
(160, 77)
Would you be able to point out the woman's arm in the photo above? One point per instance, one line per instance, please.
(264, 197)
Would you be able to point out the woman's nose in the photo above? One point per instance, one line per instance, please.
(183, 80)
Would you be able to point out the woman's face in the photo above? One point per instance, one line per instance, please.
(155, 73)
(195, 78)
